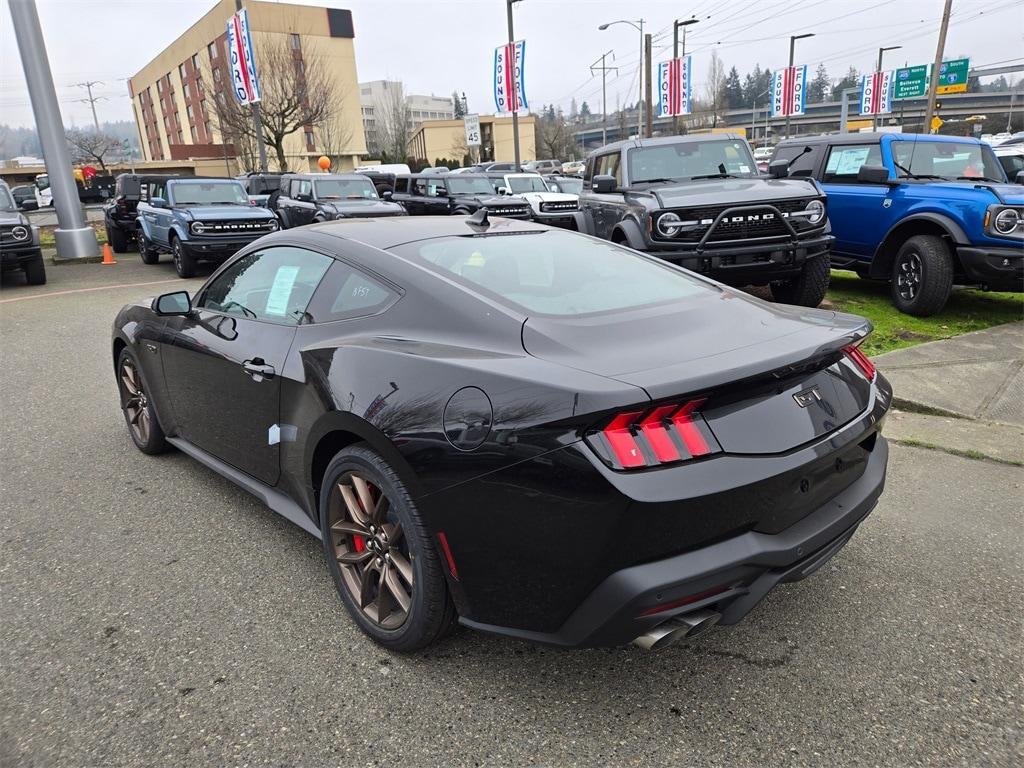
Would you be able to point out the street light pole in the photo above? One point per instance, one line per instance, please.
(647, 100)
(675, 54)
(257, 119)
(792, 45)
(874, 117)
(933, 81)
(637, 25)
(514, 96)
(753, 115)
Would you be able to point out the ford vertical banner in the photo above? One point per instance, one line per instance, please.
(504, 55)
(789, 87)
(243, 65)
(876, 93)
(674, 87)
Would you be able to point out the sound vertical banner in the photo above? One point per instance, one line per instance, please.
(505, 58)
(789, 89)
(674, 87)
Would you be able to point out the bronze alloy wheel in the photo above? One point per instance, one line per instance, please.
(372, 552)
(134, 402)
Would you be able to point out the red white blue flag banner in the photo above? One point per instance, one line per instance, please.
(504, 56)
(789, 86)
(876, 93)
(244, 80)
(674, 86)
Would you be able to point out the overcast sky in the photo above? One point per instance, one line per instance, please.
(436, 46)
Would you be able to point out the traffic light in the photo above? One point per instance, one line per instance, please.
(938, 105)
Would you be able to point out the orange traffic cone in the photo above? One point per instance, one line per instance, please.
(108, 255)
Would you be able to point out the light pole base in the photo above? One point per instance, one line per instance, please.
(76, 244)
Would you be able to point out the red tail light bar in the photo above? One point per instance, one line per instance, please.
(665, 434)
(861, 361)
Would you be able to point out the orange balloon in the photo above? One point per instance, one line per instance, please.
(324, 162)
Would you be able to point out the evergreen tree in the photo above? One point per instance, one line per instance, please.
(733, 90)
(818, 88)
(585, 113)
(460, 109)
(850, 80)
(574, 110)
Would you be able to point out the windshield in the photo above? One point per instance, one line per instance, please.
(43, 181)
(460, 185)
(517, 184)
(687, 159)
(554, 272)
(949, 160)
(569, 186)
(209, 193)
(348, 189)
(6, 201)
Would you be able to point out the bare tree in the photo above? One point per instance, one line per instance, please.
(714, 87)
(392, 114)
(333, 137)
(297, 95)
(552, 134)
(91, 147)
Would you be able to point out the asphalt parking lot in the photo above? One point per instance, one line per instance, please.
(155, 615)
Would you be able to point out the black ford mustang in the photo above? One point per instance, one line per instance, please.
(546, 435)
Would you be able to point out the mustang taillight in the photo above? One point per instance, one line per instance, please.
(665, 434)
(861, 361)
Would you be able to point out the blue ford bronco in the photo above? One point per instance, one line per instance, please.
(923, 212)
(197, 220)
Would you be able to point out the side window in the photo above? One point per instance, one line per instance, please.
(273, 285)
(293, 190)
(306, 188)
(608, 165)
(844, 162)
(346, 293)
(801, 163)
(157, 189)
(420, 188)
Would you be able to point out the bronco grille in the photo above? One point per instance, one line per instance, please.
(512, 211)
(559, 207)
(743, 225)
(233, 227)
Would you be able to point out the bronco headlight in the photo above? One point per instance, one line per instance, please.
(271, 224)
(197, 227)
(666, 224)
(815, 211)
(20, 233)
(1006, 221)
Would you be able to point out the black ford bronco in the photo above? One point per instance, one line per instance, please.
(19, 241)
(700, 202)
(120, 212)
(308, 198)
(458, 194)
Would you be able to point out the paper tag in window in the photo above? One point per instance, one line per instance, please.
(281, 290)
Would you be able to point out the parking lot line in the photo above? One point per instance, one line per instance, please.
(85, 290)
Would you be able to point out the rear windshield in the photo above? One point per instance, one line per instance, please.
(209, 193)
(555, 272)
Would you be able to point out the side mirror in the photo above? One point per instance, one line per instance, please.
(158, 202)
(502, 190)
(603, 184)
(778, 169)
(177, 303)
(29, 205)
(873, 174)
(387, 194)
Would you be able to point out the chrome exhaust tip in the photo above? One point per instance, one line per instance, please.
(672, 631)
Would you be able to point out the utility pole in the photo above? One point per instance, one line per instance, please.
(514, 96)
(676, 54)
(933, 82)
(257, 117)
(74, 239)
(604, 91)
(91, 100)
(792, 44)
(647, 100)
(874, 117)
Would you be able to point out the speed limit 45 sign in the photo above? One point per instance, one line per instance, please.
(472, 130)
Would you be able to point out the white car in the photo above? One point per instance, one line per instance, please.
(558, 209)
(1011, 157)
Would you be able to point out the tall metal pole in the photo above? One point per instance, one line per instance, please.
(514, 96)
(91, 101)
(604, 92)
(257, 119)
(675, 55)
(645, 96)
(874, 117)
(648, 103)
(792, 45)
(933, 81)
(74, 239)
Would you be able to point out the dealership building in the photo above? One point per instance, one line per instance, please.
(435, 139)
(173, 95)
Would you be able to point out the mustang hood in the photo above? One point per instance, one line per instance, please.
(710, 192)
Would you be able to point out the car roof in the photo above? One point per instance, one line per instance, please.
(663, 140)
(199, 179)
(873, 138)
(321, 176)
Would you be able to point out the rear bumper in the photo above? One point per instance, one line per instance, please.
(750, 264)
(740, 571)
(999, 269)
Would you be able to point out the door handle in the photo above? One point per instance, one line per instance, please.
(258, 369)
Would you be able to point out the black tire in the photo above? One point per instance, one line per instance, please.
(143, 426)
(184, 262)
(922, 276)
(35, 271)
(459, 212)
(431, 613)
(809, 287)
(147, 252)
(118, 239)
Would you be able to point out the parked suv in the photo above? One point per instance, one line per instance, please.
(198, 220)
(260, 186)
(19, 240)
(306, 198)
(923, 212)
(460, 194)
(699, 201)
(543, 166)
(120, 213)
(557, 209)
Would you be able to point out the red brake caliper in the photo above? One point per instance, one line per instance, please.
(359, 542)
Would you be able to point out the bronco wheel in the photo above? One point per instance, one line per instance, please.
(922, 276)
(184, 262)
(137, 407)
(384, 564)
(147, 252)
(117, 239)
(809, 287)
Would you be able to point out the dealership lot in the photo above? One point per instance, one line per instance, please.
(154, 614)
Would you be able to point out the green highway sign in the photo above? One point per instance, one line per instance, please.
(911, 83)
(953, 76)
